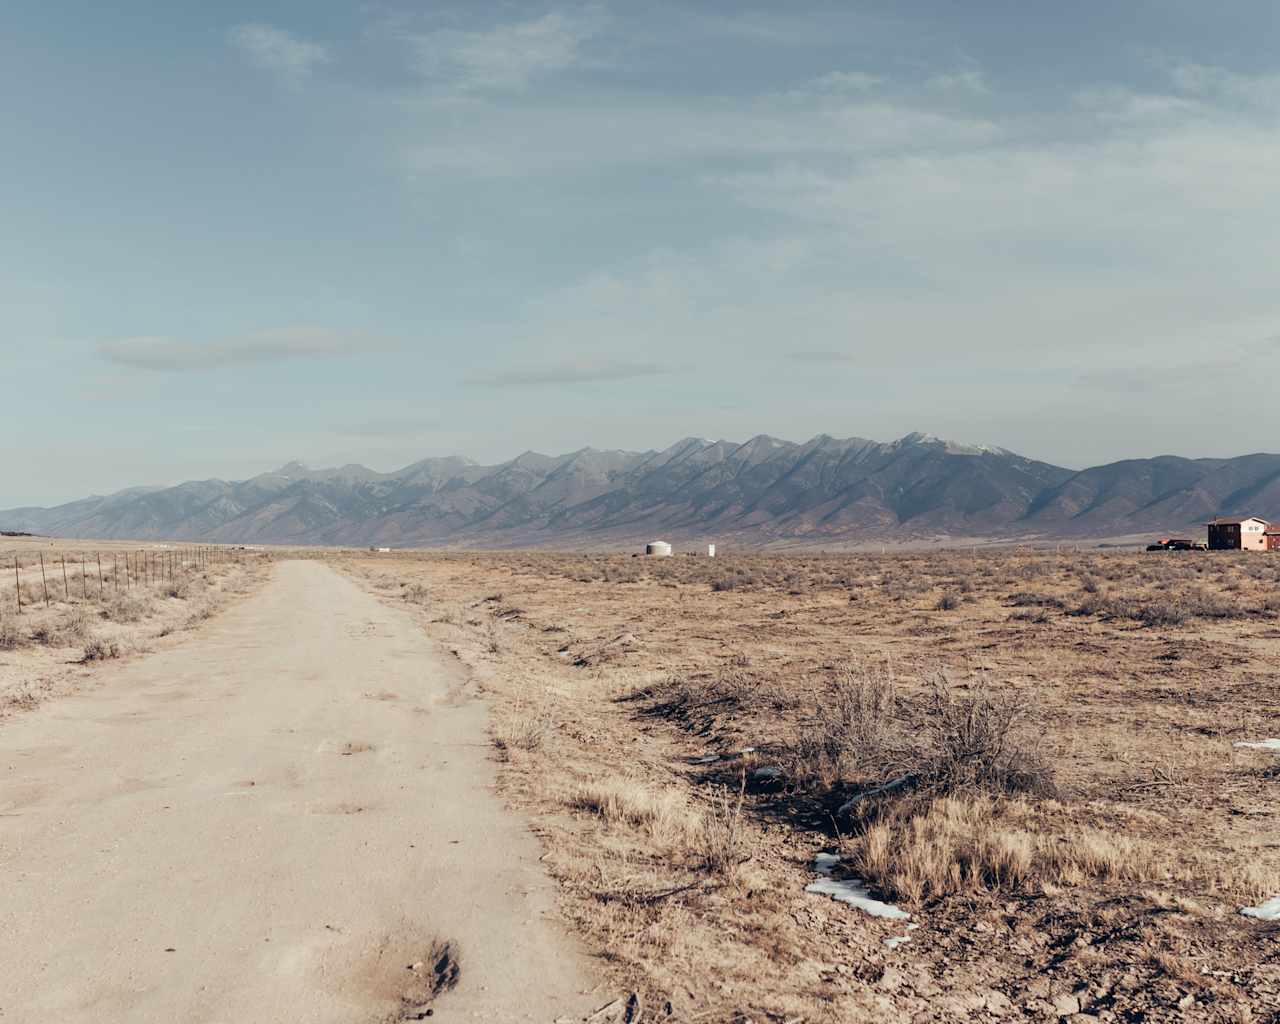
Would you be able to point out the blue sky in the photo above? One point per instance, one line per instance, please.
(234, 234)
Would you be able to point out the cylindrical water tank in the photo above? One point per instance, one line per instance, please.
(659, 548)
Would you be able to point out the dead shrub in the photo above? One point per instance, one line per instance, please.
(949, 601)
(101, 650)
(853, 729)
(11, 636)
(973, 744)
(416, 593)
(126, 608)
(1031, 599)
(65, 631)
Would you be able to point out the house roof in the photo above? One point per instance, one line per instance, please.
(1235, 520)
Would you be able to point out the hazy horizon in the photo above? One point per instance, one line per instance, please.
(242, 234)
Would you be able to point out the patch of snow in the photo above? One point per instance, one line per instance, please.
(706, 759)
(849, 890)
(767, 773)
(747, 750)
(1269, 911)
(1259, 745)
(824, 863)
(898, 940)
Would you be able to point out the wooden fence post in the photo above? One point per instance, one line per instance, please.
(17, 583)
(84, 580)
(66, 587)
(44, 580)
(101, 582)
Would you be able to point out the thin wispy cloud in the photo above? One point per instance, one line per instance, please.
(846, 82)
(822, 357)
(1232, 362)
(171, 354)
(507, 56)
(274, 49)
(571, 372)
(970, 82)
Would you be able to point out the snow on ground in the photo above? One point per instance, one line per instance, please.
(1259, 745)
(849, 890)
(898, 940)
(1269, 911)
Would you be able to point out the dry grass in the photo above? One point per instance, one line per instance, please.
(10, 634)
(1061, 724)
(128, 607)
(665, 815)
(87, 620)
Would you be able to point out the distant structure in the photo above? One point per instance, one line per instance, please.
(1238, 533)
(1273, 537)
(711, 551)
(658, 549)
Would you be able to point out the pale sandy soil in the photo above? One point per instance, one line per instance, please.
(289, 817)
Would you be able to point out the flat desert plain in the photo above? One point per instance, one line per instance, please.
(370, 787)
(1054, 775)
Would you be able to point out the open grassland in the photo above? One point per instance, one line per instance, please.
(1032, 754)
(91, 602)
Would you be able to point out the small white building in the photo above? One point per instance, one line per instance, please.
(658, 549)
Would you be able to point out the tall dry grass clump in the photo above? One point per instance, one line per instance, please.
(526, 725)
(664, 815)
(973, 843)
(720, 838)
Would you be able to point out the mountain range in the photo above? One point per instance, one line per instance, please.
(826, 492)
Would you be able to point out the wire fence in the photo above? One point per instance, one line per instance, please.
(87, 575)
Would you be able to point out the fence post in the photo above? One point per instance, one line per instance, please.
(101, 582)
(44, 580)
(66, 587)
(17, 583)
(115, 571)
(84, 580)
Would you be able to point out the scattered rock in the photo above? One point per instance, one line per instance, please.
(890, 980)
(998, 1002)
(1066, 1005)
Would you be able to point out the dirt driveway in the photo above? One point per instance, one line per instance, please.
(289, 818)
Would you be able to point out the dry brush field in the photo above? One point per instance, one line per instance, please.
(1033, 755)
(93, 602)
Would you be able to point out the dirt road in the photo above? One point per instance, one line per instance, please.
(273, 822)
